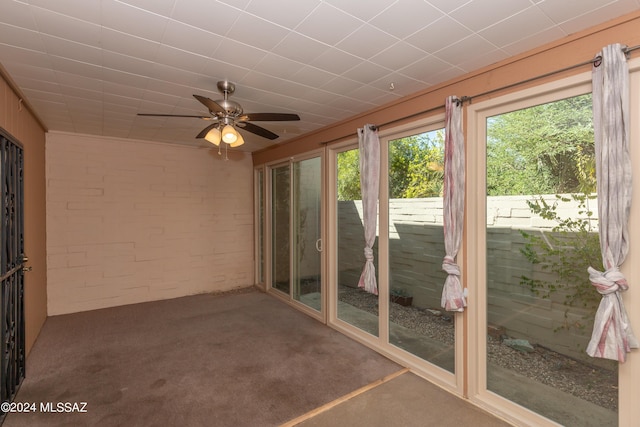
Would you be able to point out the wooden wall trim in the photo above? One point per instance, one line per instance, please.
(562, 53)
(4, 74)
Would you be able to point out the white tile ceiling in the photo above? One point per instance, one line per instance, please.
(90, 66)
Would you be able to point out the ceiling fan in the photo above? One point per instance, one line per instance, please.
(227, 115)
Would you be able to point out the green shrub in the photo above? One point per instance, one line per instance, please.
(566, 252)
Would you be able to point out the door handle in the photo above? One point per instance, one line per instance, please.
(319, 245)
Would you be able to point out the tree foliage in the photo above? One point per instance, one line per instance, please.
(349, 175)
(545, 149)
(416, 167)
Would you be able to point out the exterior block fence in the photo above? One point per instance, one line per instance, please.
(416, 247)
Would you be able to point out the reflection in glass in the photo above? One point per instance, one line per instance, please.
(306, 215)
(280, 204)
(417, 323)
(355, 306)
(541, 236)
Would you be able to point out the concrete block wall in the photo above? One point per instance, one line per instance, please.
(134, 221)
(416, 247)
(350, 242)
(416, 243)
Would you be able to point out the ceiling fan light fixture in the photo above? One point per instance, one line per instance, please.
(229, 134)
(213, 136)
(238, 142)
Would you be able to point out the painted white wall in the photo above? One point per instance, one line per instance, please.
(134, 221)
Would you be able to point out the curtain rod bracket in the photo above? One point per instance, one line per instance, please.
(597, 61)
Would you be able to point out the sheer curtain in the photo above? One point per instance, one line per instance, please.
(369, 146)
(612, 336)
(453, 298)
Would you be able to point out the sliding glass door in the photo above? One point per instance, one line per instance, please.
(296, 231)
(354, 305)
(417, 322)
(533, 204)
(405, 318)
(281, 228)
(307, 232)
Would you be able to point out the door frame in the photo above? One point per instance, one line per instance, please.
(475, 222)
(322, 314)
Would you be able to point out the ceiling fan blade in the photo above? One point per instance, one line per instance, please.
(213, 106)
(260, 131)
(271, 117)
(174, 115)
(206, 130)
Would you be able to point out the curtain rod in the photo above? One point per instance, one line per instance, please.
(595, 61)
(374, 127)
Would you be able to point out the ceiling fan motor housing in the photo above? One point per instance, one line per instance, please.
(231, 108)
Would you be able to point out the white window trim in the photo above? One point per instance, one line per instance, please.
(477, 113)
(257, 251)
(445, 379)
(322, 314)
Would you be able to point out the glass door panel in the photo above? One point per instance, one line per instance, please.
(307, 242)
(354, 305)
(541, 235)
(417, 323)
(280, 228)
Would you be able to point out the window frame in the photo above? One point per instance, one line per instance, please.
(268, 193)
(475, 222)
(259, 229)
(450, 381)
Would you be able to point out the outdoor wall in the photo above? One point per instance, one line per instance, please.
(350, 241)
(133, 221)
(416, 247)
(17, 120)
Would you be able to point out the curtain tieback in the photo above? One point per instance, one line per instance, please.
(368, 254)
(450, 266)
(608, 282)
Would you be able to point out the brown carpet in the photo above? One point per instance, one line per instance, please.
(242, 359)
(237, 359)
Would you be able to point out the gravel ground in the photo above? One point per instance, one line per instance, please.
(591, 383)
